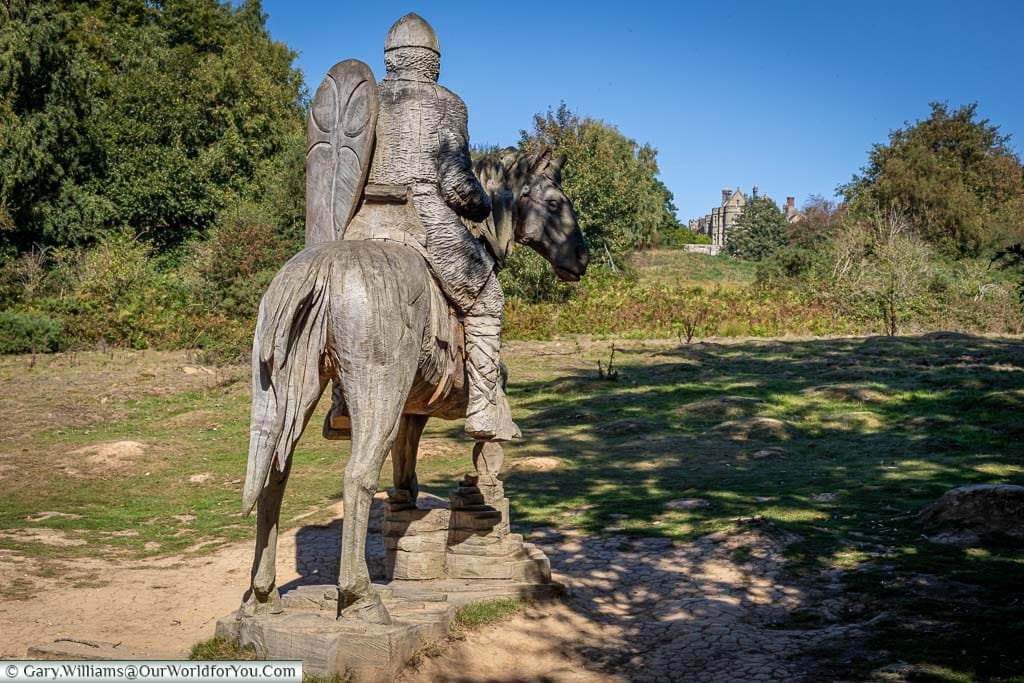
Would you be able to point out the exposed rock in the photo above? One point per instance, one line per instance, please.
(763, 453)
(687, 504)
(824, 497)
(968, 514)
(627, 426)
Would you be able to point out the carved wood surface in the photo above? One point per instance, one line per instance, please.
(339, 146)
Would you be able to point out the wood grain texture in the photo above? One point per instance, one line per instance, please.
(339, 145)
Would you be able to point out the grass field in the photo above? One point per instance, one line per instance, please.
(837, 442)
(683, 269)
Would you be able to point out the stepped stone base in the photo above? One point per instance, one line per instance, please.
(438, 557)
(421, 612)
(469, 539)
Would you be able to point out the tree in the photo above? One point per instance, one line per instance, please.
(758, 232)
(151, 115)
(955, 175)
(882, 265)
(611, 180)
(820, 218)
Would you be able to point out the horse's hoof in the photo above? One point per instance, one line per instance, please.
(253, 606)
(369, 610)
(401, 499)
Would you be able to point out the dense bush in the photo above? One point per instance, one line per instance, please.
(29, 333)
(116, 294)
(236, 264)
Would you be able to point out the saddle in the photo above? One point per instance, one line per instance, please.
(386, 213)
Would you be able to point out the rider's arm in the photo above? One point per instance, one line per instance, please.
(459, 185)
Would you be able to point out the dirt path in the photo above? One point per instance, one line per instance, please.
(637, 609)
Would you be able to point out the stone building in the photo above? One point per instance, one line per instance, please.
(716, 224)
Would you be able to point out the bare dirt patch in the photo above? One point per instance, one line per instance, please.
(51, 537)
(538, 464)
(112, 455)
(720, 408)
(649, 609)
(72, 390)
(759, 428)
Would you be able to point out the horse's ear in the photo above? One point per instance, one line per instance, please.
(508, 158)
(556, 168)
(541, 161)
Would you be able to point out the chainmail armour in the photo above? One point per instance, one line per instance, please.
(423, 142)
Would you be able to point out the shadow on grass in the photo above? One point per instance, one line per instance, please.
(838, 442)
(834, 444)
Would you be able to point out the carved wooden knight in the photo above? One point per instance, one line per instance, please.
(422, 153)
(372, 304)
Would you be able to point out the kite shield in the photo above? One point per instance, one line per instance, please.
(339, 148)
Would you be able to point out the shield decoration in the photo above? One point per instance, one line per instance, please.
(339, 147)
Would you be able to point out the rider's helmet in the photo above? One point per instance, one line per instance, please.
(411, 49)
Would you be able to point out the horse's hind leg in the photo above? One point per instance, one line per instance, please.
(375, 415)
(403, 458)
(263, 596)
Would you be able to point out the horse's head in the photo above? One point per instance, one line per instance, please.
(543, 216)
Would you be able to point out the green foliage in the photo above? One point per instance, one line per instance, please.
(238, 261)
(683, 235)
(29, 333)
(529, 277)
(955, 176)
(115, 293)
(862, 288)
(611, 180)
(153, 115)
(759, 231)
(792, 264)
(884, 264)
(220, 649)
(1012, 259)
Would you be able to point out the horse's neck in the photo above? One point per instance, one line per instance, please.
(499, 227)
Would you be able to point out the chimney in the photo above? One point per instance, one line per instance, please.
(726, 193)
(791, 202)
(755, 191)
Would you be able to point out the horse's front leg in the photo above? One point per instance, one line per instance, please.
(403, 458)
(263, 596)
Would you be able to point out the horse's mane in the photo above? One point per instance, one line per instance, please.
(500, 170)
(502, 175)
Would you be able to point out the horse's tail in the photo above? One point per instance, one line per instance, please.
(287, 351)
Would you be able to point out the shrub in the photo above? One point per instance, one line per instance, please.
(236, 264)
(29, 333)
(114, 293)
(529, 277)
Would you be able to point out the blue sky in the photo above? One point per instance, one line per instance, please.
(787, 95)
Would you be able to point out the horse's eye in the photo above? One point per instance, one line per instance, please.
(552, 205)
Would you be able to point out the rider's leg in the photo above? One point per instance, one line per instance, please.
(488, 416)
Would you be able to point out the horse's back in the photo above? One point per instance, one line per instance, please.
(388, 312)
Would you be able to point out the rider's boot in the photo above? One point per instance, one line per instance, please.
(488, 416)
